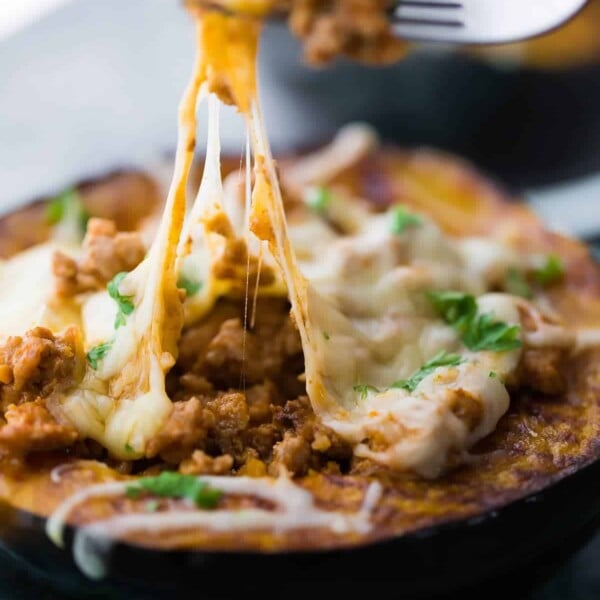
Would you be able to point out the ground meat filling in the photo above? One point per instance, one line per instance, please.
(239, 403)
(38, 364)
(359, 29)
(239, 400)
(106, 252)
(30, 427)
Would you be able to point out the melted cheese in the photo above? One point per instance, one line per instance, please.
(27, 298)
(366, 320)
(357, 291)
(359, 300)
(215, 224)
(123, 402)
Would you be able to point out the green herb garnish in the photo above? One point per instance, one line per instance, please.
(455, 308)
(67, 205)
(515, 283)
(124, 303)
(326, 336)
(477, 331)
(441, 359)
(170, 484)
(152, 506)
(402, 220)
(492, 374)
(190, 286)
(484, 333)
(98, 353)
(129, 448)
(363, 389)
(318, 198)
(551, 271)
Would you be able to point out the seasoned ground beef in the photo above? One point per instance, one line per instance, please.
(30, 427)
(359, 29)
(37, 364)
(239, 400)
(183, 431)
(106, 252)
(218, 352)
(201, 463)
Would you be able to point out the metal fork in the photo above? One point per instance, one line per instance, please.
(479, 21)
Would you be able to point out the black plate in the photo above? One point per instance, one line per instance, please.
(502, 553)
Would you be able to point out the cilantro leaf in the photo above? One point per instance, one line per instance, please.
(515, 283)
(318, 198)
(485, 333)
(455, 308)
(124, 304)
(190, 286)
(97, 353)
(402, 220)
(551, 271)
(326, 336)
(441, 359)
(477, 332)
(170, 484)
(363, 389)
(67, 205)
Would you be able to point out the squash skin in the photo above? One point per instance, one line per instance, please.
(475, 519)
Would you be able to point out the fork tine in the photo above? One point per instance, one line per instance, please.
(428, 12)
(428, 4)
(479, 21)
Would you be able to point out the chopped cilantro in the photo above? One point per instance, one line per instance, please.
(477, 331)
(484, 333)
(363, 389)
(318, 198)
(190, 286)
(129, 448)
(402, 219)
(124, 303)
(98, 353)
(551, 271)
(170, 484)
(455, 308)
(441, 359)
(152, 505)
(492, 374)
(326, 335)
(67, 205)
(515, 283)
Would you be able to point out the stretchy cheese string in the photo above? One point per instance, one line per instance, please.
(123, 402)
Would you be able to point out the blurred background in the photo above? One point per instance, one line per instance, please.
(87, 86)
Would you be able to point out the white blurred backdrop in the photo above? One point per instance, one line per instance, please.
(94, 84)
(91, 85)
